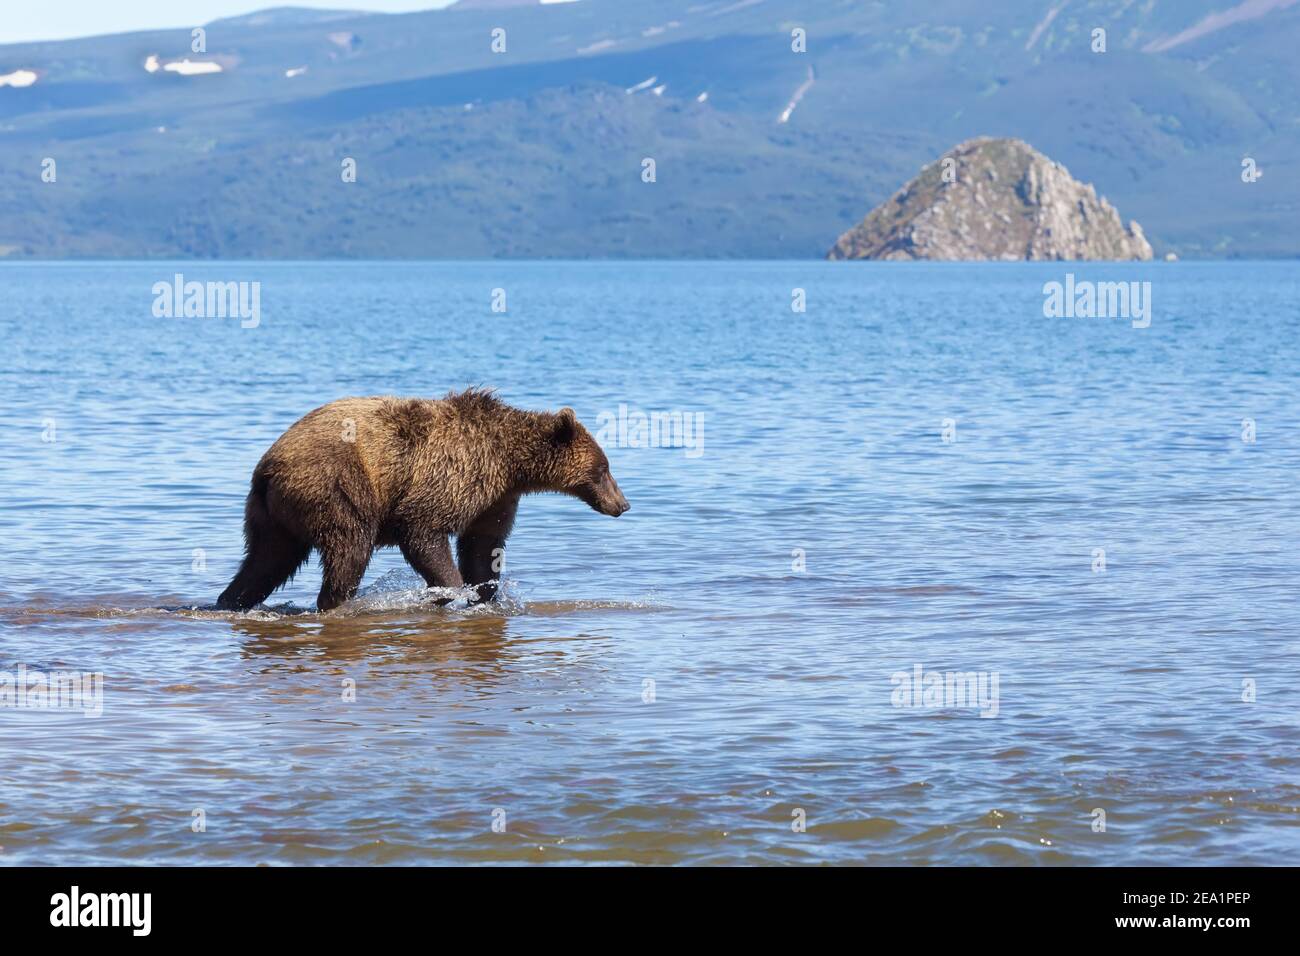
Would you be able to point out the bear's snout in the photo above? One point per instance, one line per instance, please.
(611, 497)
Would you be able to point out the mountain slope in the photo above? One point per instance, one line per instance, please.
(760, 151)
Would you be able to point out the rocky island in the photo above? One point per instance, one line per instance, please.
(994, 199)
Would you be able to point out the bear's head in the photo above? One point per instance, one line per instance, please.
(580, 468)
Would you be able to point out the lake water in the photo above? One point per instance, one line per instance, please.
(918, 471)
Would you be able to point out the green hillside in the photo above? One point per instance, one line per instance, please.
(537, 151)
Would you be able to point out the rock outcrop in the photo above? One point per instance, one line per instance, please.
(994, 199)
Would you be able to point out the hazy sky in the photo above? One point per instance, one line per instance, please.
(59, 19)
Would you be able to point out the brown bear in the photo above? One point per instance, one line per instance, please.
(362, 473)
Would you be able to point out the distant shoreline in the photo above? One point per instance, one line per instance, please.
(853, 263)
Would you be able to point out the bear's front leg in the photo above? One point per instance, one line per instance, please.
(480, 548)
(430, 554)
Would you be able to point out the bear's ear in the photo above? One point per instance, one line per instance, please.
(565, 426)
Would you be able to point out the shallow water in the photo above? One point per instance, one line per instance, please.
(669, 686)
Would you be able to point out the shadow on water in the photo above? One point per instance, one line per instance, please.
(398, 632)
(426, 639)
(479, 654)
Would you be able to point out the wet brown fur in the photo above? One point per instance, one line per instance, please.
(418, 471)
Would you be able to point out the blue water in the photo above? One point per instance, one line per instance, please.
(710, 678)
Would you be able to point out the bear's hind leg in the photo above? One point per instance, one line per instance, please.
(344, 564)
(273, 556)
(430, 555)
